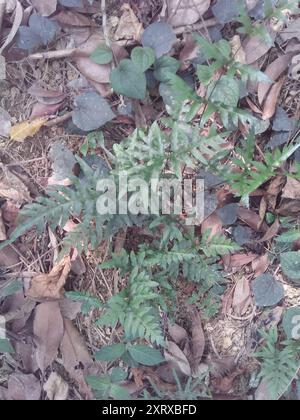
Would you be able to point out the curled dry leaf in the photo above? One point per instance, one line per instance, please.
(198, 341)
(177, 333)
(56, 388)
(50, 286)
(252, 219)
(186, 12)
(12, 187)
(273, 71)
(41, 110)
(271, 100)
(291, 189)
(271, 232)
(48, 329)
(22, 131)
(76, 357)
(177, 359)
(23, 387)
(241, 297)
(239, 260)
(129, 26)
(260, 265)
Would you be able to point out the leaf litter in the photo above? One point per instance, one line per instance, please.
(187, 348)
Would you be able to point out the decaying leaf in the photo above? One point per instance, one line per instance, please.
(260, 265)
(271, 100)
(271, 232)
(291, 189)
(295, 67)
(177, 359)
(129, 27)
(63, 163)
(273, 71)
(177, 333)
(23, 387)
(44, 7)
(12, 187)
(22, 131)
(242, 297)
(186, 12)
(48, 329)
(56, 388)
(238, 53)
(76, 358)
(198, 341)
(50, 286)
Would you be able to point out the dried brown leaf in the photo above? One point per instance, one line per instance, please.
(69, 309)
(198, 341)
(76, 357)
(177, 333)
(260, 265)
(295, 67)
(12, 187)
(255, 48)
(50, 286)
(291, 189)
(252, 219)
(3, 235)
(186, 12)
(23, 387)
(44, 7)
(273, 71)
(72, 18)
(239, 260)
(292, 31)
(129, 26)
(5, 124)
(23, 130)
(271, 100)
(271, 232)
(241, 297)
(8, 257)
(177, 359)
(48, 329)
(213, 223)
(56, 388)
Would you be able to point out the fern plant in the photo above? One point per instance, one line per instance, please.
(279, 363)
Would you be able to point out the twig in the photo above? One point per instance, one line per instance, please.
(59, 120)
(201, 25)
(104, 22)
(48, 55)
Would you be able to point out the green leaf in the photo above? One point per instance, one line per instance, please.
(110, 353)
(119, 393)
(143, 58)
(102, 55)
(11, 288)
(164, 67)
(290, 264)
(291, 323)
(145, 355)
(118, 375)
(128, 80)
(5, 346)
(101, 384)
(225, 91)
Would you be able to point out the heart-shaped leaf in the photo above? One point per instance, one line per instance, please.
(71, 3)
(226, 10)
(267, 291)
(159, 36)
(102, 55)
(44, 27)
(164, 67)
(143, 58)
(229, 214)
(128, 80)
(92, 111)
(290, 264)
